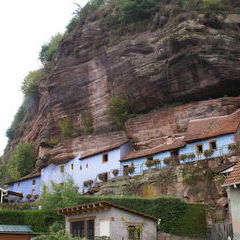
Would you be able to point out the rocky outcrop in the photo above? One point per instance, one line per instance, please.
(177, 56)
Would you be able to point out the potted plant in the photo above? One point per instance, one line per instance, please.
(88, 183)
(191, 156)
(183, 157)
(208, 153)
(167, 161)
(115, 172)
(102, 176)
(131, 169)
(233, 148)
(149, 163)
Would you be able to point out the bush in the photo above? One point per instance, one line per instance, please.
(67, 129)
(190, 5)
(212, 4)
(115, 172)
(87, 122)
(191, 156)
(40, 220)
(120, 111)
(59, 195)
(49, 49)
(135, 10)
(149, 163)
(167, 160)
(157, 162)
(183, 157)
(102, 176)
(24, 158)
(61, 235)
(53, 142)
(31, 82)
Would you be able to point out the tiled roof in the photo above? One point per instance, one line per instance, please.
(101, 150)
(234, 177)
(211, 127)
(178, 142)
(29, 176)
(96, 206)
(15, 229)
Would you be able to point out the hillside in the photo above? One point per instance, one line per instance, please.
(177, 64)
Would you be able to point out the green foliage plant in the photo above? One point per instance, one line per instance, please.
(191, 156)
(212, 4)
(101, 176)
(135, 10)
(149, 163)
(31, 82)
(87, 122)
(183, 157)
(61, 235)
(157, 162)
(59, 195)
(120, 111)
(233, 147)
(67, 128)
(49, 49)
(23, 158)
(190, 5)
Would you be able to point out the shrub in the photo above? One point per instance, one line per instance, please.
(23, 158)
(87, 122)
(49, 49)
(212, 4)
(31, 82)
(53, 142)
(208, 153)
(57, 226)
(66, 126)
(88, 183)
(135, 10)
(39, 220)
(59, 195)
(61, 235)
(233, 147)
(157, 162)
(190, 5)
(115, 172)
(120, 111)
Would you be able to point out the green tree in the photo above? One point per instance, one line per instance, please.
(120, 111)
(23, 159)
(60, 195)
(67, 128)
(31, 82)
(134, 10)
(49, 49)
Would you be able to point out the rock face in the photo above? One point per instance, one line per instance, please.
(176, 57)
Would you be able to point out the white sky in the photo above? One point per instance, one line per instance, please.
(25, 25)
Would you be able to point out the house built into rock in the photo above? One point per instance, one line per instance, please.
(204, 138)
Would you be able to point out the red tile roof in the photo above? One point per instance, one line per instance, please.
(234, 177)
(29, 176)
(178, 142)
(101, 150)
(212, 127)
(97, 206)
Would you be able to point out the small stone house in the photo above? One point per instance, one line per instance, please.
(15, 232)
(104, 219)
(232, 183)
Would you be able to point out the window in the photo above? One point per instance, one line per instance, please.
(199, 148)
(72, 166)
(80, 167)
(33, 182)
(125, 170)
(134, 233)
(83, 229)
(105, 158)
(62, 169)
(213, 145)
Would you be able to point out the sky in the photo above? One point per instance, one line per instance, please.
(24, 27)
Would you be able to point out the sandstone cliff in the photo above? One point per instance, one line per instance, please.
(176, 56)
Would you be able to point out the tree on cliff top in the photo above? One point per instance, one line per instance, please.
(49, 49)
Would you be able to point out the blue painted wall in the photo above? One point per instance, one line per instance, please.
(85, 169)
(221, 141)
(26, 187)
